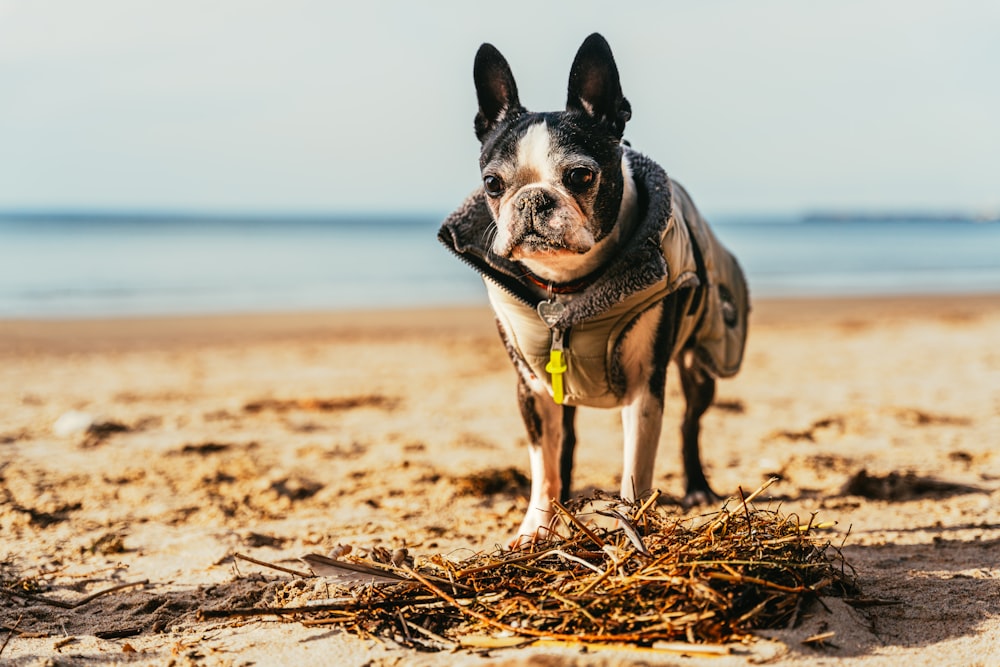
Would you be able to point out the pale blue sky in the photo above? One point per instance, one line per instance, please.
(245, 106)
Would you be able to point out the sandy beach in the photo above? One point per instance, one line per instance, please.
(153, 450)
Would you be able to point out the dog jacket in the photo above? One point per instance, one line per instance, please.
(670, 247)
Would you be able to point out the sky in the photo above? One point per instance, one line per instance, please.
(240, 106)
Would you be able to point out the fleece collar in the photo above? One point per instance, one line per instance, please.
(639, 265)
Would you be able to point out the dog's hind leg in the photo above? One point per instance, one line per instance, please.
(566, 451)
(699, 391)
(551, 440)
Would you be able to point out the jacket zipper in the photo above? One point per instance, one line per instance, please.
(484, 269)
(557, 364)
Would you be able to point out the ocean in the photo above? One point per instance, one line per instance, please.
(76, 266)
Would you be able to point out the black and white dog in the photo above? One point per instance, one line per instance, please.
(600, 271)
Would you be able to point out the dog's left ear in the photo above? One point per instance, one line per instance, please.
(594, 87)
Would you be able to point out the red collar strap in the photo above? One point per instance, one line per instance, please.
(571, 287)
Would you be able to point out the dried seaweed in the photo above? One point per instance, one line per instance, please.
(320, 404)
(491, 482)
(647, 577)
(897, 487)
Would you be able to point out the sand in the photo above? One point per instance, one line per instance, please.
(280, 435)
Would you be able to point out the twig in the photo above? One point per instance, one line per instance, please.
(579, 524)
(329, 620)
(403, 625)
(743, 579)
(346, 604)
(653, 497)
(820, 638)
(71, 605)
(763, 487)
(575, 559)
(746, 511)
(120, 633)
(94, 596)
(287, 570)
(63, 642)
(11, 633)
(594, 582)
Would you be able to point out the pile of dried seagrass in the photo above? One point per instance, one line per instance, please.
(646, 577)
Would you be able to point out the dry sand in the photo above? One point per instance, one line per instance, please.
(276, 436)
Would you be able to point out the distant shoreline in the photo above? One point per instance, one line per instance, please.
(85, 216)
(828, 217)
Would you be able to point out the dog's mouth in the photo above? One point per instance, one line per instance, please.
(535, 245)
(539, 247)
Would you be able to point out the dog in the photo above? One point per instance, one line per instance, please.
(600, 271)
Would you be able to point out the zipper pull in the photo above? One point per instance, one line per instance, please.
(557, 365)
(551, 311)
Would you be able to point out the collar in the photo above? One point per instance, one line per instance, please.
(572, 287)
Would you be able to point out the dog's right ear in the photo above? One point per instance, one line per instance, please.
(495, 89)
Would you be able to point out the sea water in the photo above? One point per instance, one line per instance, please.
(59, 266)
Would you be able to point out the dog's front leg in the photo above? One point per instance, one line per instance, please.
(642, 421)
(543, 420)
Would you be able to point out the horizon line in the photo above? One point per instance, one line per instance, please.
(817, 214)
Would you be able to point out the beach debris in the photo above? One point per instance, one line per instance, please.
(255, 540)
(47, 514)
(101, 431)
(350, 573)
(109, 543)
(917, 417)
(204, 448)
(320, 404)
(491, 482)
(94, 429)
(273, 566)
(120, 633)
(296, 488)
(896, 486)
(654, 578)
(12, 437)
(734, 405)
(809, 434)
(73, 423)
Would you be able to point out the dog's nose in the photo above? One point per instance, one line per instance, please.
(533, 203)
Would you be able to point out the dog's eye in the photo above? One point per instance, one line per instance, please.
(493, 185)
(579, 178)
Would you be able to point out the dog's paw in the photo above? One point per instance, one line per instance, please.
(534, 527)
(699, 498)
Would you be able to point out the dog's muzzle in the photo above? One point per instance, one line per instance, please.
(535, 222)
(534, 205)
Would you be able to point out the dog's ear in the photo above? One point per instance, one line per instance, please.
(495, 89)
(594, 87)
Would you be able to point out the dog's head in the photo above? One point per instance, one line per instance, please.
(553, 181)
